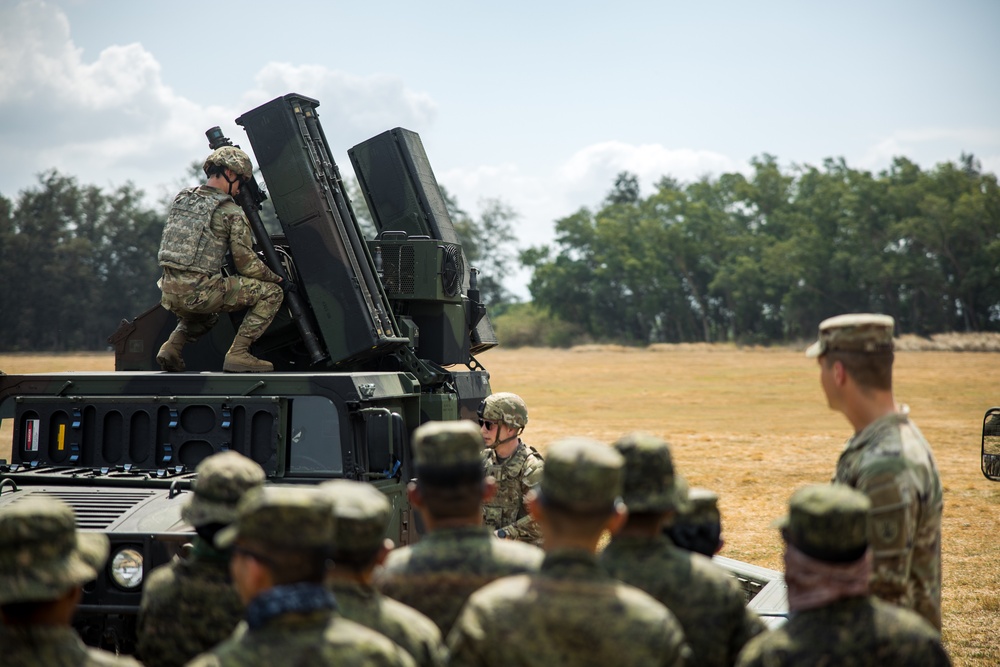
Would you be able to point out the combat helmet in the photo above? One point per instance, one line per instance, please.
(506, 408)
(232, 158)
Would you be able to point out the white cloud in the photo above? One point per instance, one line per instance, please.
(931, 146)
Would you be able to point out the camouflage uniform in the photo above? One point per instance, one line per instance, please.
(891, 462)
(42, 557)
(189, 605)
(437, 574)
(706, 600)
(571, 612)
(515, 475)
(362, 514)
(298, 623)
(827, 532)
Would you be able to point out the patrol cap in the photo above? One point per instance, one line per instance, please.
(702, 507)
(361, 515)
(286, 516)
(506, 408)
(42, 554)
(231, 157)
(222, 480)
(582, 475)
(828, 522)
(448, 452)
(855, 332)
(649, 483)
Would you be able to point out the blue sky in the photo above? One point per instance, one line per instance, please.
(539, 104)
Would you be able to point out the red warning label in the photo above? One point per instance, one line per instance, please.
(31, 435)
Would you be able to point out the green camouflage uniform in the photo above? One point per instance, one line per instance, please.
(192, 254)
(189, 605)
(42, 557)
(571, 612)
(515, 476)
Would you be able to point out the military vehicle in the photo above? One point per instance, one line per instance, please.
(379, 337)
(990, 449)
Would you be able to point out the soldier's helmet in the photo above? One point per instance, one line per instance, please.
(506, 408)
(231, 157)
(222, 481)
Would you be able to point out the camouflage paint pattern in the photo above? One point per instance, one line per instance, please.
(506, 408)
(231, 157)
(828, 521)
(860, 631)
(891, 462)
(414, 632)
(516, 475)
(570, 613)
(436, 575)
(222, 480)
(188, 606)
(315, 638)
(53, 646)
(582, 475)
(854, 332)
(445, 444)
(287, 517)
(190, 242)
(706, 600)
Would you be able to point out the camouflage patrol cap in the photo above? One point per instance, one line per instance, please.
(42, 554)
(506, 408)
(284, 516)
(828, 522)
(650, 484)
(231, 157)
(855, 332)
(582, 475)
(222, 480)
(361, 513)
(448, 444)
(702, 507)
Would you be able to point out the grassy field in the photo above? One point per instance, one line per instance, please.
(752, 424)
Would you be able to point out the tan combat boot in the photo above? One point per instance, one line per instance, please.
(169, 357)
(239, 359)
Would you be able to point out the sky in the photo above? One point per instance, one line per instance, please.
(538, 104)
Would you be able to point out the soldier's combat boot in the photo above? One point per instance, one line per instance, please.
(239, 359)
(169, 357)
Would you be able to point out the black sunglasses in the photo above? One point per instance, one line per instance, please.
(487, 424)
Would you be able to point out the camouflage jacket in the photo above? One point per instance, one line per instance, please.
(891, 462)
(861, 632)
(188, 606)
(228, 227)
(52, 646)
(406, 626)
(570, 613)
(436, 575)
(515, 476)
(316, 638)
(706, 600)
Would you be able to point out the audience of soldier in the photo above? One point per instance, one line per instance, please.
(887, 458)
(697, 522)
(706, 600)
(515, 466)
(190, 605)
(572, 612)
(458, 555)
(833, 619)
(362, 515)
(44, 562)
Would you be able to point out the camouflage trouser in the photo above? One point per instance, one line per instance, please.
(198, 311)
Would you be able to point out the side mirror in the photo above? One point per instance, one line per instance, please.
(991, 445)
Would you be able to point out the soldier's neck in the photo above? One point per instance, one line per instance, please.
(867, 407)
(506, 449)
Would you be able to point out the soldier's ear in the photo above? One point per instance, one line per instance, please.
(383, 552)
(535, 507)
(489, 488)
(617, 519)
(414, 495)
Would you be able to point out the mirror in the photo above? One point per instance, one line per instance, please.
(991, 445)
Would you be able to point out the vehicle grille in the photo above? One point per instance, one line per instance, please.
(98, 509)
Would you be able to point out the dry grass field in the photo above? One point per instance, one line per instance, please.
(752, 424)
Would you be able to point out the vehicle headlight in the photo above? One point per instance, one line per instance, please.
(126, 568)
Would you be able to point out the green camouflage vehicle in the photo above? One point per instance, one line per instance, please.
(379, 338)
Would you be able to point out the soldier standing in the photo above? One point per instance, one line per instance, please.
(362, 515)
(280, 545)
(833, 619)
(571, 612)
(887, 458)
(516, 467)
(190, 605)
(706, 600)
(202, 224)
(458, 555)
(44, 562)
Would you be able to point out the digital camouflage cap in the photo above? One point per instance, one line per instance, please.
(649, 484)
(448, 444)
(288, 517)
(582, 475)
(42, 554)
(232, 158)
(222, 480)
(506, 408)
(828, 522)
(702, 507)
(361, 515)
(855, 332)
